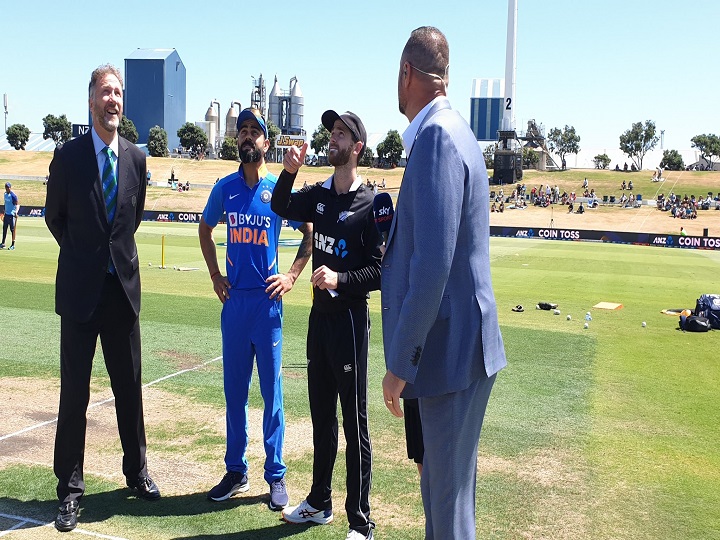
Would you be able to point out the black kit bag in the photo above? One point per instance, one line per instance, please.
(693, 323)
(708, 306)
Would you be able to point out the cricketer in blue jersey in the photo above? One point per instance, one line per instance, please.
(251, 293)
(10, 215)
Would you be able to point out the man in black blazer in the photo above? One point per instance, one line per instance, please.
(95, 202)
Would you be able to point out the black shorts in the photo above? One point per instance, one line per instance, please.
(413, 430)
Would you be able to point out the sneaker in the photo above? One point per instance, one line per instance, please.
(11, 248)
(2, 246)
(278, 495)
(231, 484)
(356, 535)
(304, 513)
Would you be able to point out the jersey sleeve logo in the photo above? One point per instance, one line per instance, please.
(320, 208)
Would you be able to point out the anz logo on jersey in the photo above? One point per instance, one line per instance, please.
(327, 244)
(256, 233)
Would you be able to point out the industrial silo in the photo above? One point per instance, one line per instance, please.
(297, 106)
(231, 119)
(274, 106)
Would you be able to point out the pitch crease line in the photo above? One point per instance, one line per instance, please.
(26, 520)
(108, 400)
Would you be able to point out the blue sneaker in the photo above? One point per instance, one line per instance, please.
(231, 484)
(11, 248)
(278, 495)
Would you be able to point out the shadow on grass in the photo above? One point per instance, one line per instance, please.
(100, 507)
(265, 533)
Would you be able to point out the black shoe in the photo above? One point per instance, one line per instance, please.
(66, 519)
(145, 487)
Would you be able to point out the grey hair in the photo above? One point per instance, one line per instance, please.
(99, 73)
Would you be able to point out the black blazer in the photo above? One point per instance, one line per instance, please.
(76, 216)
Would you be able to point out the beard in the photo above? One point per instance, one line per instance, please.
(249, 155)
(340, 157)
(108, 125)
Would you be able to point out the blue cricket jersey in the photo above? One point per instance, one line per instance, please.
(253, 229)
(11, 201)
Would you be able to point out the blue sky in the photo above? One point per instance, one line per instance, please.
(598, 66)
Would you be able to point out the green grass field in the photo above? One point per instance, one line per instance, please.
(598, 433)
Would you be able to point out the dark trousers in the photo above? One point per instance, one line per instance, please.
(119, 331)
(8, 223)
(337, 350)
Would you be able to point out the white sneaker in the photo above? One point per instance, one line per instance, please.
(355, 535)
(304, 513)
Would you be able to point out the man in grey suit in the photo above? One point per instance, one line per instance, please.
(441, 334)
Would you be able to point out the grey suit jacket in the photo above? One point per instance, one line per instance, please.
(440, 324)
(76, 215)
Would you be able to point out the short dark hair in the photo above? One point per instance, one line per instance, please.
(428, 49)
(100, 72)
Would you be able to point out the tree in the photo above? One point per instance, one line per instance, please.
(229, 149)
(367, 158)
(709, 146)
(127, 129)
(602, 161)
(672, 160)
(320, 140)
(638, 141)
(157, 142)
(18, 136)
(192, 137)
(564, 141)
(57, 129)
(391, 148)
(530, 158)
(273, 131)
(489, 155)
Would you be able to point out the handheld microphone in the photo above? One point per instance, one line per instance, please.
(383, 212)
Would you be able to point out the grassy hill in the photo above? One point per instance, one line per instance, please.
(207, 172)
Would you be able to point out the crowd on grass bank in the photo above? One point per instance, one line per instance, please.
(546, 195)
(687, 207)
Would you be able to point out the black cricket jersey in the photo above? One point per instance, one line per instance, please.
(345, 238)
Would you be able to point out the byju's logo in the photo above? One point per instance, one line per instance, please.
(340, 250)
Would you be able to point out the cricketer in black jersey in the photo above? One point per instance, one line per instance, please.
(345, 236)
(346, 241)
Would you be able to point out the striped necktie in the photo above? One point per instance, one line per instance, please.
(109, 181)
